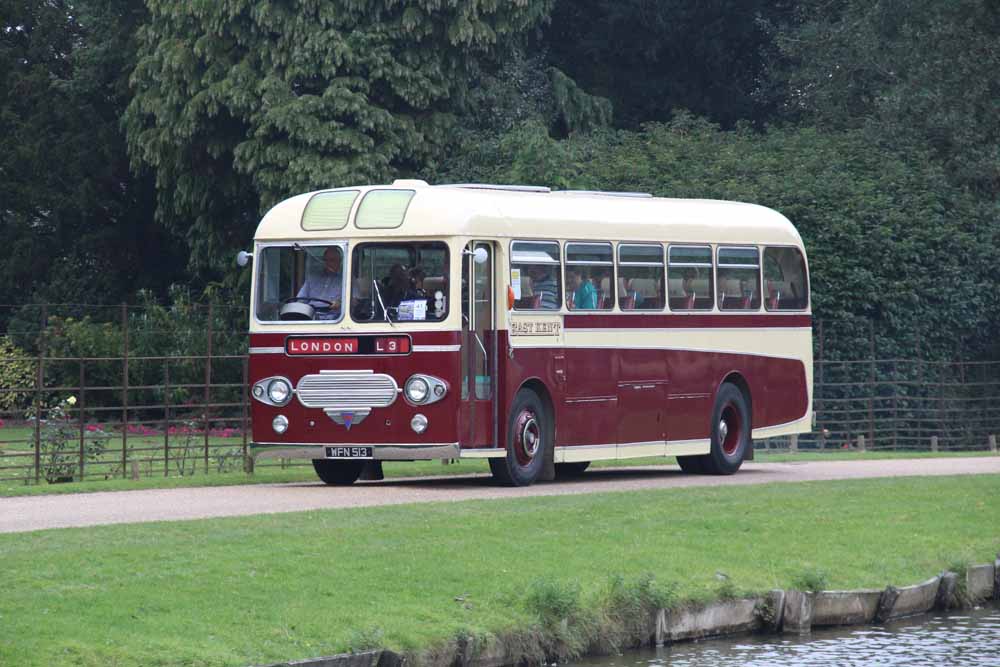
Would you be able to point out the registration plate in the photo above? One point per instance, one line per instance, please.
(349, 452)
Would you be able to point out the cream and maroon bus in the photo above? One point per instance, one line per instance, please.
(538, 329)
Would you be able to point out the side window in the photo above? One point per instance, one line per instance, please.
(535, 275)
(590, 276)
(786, 285)
(739, 279)
(640, 277)
(689, 277)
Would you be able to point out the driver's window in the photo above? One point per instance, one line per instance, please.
(300, 283)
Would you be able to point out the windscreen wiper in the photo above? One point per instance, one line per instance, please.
(385, 313)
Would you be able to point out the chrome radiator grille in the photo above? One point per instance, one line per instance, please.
(347, 390)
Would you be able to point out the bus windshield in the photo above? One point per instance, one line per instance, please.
(399, 282)
(297, 282)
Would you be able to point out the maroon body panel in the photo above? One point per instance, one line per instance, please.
(384, 425)
(599, 395)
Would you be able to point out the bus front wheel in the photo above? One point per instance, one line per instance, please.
(528, 438)
(730, 432)
(338, 473)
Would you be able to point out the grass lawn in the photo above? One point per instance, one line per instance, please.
(261, 589)
(272, 473)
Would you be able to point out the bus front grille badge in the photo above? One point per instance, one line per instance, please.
(347, 418)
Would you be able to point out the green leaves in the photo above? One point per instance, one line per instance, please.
(239, 105)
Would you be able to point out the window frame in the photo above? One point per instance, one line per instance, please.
(760, 282)
(710, 265)
(582, 262)
(359, 244)
(259, 249)
(806, 276)
(556, 262)
(663, 272)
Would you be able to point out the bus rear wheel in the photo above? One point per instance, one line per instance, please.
(528, 440)
(338, 473)
(730, 432)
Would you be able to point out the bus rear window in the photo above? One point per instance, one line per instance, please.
(786, 285)
(399, 282)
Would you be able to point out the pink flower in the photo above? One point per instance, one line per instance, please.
(1, 423)
(92, 428)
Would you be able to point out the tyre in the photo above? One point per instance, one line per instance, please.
(528, 439)
(692, 465)
(730, 432)
(574, 469)
(338, 473)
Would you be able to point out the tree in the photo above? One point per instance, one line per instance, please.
(76, 225)
(239, 104)
(652, 56)
(921, 72)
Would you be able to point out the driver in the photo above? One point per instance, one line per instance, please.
(325, 285)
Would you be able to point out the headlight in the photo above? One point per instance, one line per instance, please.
(280, 424)
(278, 391)
(417, 390)
(418, 423)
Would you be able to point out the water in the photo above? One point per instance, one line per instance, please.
(964, 639)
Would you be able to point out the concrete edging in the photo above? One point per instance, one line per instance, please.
(779, 611)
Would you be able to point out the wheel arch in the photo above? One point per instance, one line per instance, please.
(536, 385)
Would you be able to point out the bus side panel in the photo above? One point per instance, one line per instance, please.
(777, 387)
(538, 364)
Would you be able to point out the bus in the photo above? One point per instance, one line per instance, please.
(538, 329)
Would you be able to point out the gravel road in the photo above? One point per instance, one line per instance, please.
(27, 513)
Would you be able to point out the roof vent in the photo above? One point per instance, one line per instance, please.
(409, 183)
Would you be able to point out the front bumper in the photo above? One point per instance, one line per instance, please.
(393, 452)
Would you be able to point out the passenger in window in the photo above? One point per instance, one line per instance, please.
(544, 287)
(395, 286)
(584, 294)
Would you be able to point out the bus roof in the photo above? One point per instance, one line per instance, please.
(527, 212)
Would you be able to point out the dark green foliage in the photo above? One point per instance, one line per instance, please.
(74, 223)
(652, 56)
(912, 71)
(237, 105)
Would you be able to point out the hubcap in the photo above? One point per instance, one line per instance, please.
(527, 436)
(730, 430)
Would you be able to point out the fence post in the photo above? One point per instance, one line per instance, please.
(83, 409)
(861, 443)
(871, 380)
(38, 418)
(793, 442)
(244, 390)
(39, 385)
(895, 406)
(125, 391)
(166, 417)
(993, 443)
(208, 377)
(934, 443)
(819, 385)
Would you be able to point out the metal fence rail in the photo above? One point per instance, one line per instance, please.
(163, 391)
(183, 415)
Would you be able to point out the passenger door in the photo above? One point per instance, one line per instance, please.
(479, 347)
